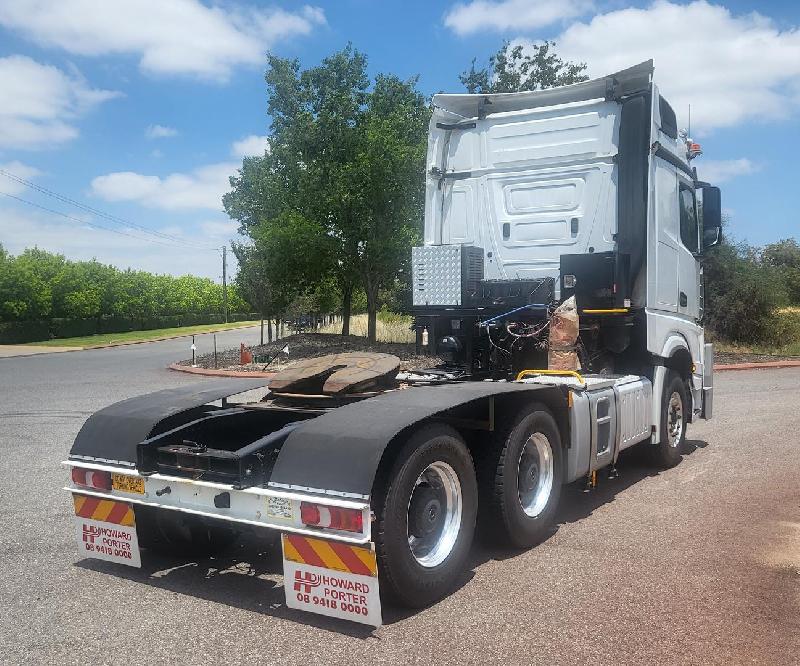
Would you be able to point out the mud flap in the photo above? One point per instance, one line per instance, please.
(106, 530)
(331, 578)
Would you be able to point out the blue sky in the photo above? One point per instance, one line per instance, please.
(140, 110)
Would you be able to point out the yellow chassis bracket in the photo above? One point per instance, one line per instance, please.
(609, 311)
(557, 373)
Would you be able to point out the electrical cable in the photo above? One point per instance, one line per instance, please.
(111, 218)
(97, 226)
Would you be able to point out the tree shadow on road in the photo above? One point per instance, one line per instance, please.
(249, 575)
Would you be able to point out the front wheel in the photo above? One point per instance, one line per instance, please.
(674, 403)
(426, 517)
(522, 478)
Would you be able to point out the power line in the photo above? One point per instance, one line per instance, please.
(98, 226)
(111, 218)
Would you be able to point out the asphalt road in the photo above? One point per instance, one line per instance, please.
(697, 565)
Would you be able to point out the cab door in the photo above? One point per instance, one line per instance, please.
(667, 248)
(688, 275)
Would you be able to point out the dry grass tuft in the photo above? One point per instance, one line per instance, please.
(391, 328)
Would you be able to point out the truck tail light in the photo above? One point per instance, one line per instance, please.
(333, 517)
(91, 478)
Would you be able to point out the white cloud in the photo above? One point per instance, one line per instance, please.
(730, 68)
(482, 15)
(201, 189)
(176, 37)
(160, 132)
(22, 228)
(40, 103)
(721, 171)
(250, 146)
(219, 228)
(16, 168)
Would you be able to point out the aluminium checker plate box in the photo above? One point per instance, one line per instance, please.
(446, 275)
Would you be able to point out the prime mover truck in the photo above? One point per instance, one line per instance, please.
(568, 209)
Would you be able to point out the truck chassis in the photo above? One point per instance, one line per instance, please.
(394, 498)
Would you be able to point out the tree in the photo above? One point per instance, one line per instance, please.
(740, 293)
(339, 194)
(784, 257)
(38, 285)
(517, 68)
(386, 179)
(314, 114)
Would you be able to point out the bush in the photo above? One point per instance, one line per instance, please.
(17, 332)
(119, 324)
(741, 296)
(193, 319)
(72, 328)
(166, 321)
(37, 285)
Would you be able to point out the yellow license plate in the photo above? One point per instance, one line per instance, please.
(127, 484)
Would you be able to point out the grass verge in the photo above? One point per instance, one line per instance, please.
(138, 336)
(786, 334)
(390, 327)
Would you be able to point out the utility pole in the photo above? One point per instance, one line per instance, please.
(225, 281)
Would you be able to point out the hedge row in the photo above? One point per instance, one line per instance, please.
(17, 332)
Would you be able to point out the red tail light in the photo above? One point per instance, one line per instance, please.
(91, 478)
(334, 517)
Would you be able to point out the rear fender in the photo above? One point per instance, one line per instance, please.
(339, 453)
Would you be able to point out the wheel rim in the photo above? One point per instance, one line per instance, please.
(535, 474)
(675, 419)
(434, 514)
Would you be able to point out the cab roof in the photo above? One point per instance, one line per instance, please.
(614, 86)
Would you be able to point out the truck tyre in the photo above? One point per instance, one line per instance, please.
(667, 453)
(175, 533)
(426, 514)
(521, 478)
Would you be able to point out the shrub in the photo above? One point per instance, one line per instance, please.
(741, 295)
(62, 327)
(17, 332)
(119, 324)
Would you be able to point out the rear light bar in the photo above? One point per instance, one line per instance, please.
(333, 517)
(91, 478)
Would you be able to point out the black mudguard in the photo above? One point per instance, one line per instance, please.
(338, 453)
(112, 434)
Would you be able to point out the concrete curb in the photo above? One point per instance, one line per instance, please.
(142, 342)
(764, 365)
(209, 372)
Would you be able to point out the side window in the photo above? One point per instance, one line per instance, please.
(688, 213)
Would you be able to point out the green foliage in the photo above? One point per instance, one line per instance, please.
(784, 257)
(38, 285)
(517, 68)
(742, 294)
(338, 199)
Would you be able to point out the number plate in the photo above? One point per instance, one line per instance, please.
(127, 484)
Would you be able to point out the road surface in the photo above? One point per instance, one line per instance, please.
(698, 564)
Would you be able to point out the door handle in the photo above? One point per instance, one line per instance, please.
(684, 300)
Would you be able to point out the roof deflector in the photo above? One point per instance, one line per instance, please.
(614, 86)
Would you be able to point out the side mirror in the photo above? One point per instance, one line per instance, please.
(711, 237)
(712, 216)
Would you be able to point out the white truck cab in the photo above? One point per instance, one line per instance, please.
(587, 188)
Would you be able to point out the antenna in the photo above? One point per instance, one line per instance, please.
(690, 120)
